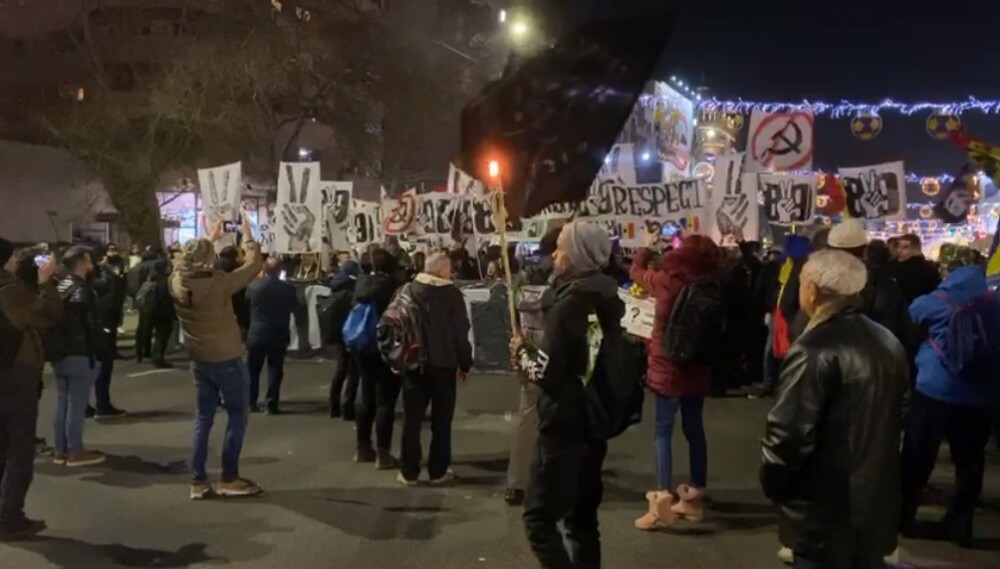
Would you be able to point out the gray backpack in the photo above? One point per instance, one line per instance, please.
(531, 311)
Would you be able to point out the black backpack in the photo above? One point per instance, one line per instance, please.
(400, 333)
(332, 312)
(10, 340)
(615, 390)
(697, 321)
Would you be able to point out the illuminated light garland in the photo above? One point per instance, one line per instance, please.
(846, 108)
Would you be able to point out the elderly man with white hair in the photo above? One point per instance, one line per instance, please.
(448, 356)
(831, 446)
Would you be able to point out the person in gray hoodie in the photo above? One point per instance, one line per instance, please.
(566, 483)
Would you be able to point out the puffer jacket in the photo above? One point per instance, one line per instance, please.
(932, 314)
(203, 299)
(376, 288)
(831, 447)
(681, 267)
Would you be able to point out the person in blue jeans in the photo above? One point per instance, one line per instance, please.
(74, 347)
(677, 385)
(203, 298)
(272, 302)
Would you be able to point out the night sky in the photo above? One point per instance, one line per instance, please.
(826, 50)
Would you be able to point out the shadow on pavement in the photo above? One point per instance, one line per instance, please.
(74, 553)
(377, 513)
(151, 416)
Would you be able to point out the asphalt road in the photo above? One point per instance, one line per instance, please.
(323, 511)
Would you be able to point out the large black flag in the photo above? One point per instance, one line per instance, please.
(551, 122)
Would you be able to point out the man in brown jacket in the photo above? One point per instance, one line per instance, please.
(203, 298)
(25, 311)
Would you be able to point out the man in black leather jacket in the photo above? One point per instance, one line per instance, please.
(831, 447)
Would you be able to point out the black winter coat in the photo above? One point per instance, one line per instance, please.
(377, 288)
(831, 447)
(916, 277)
(111, 290)
(445, 323)
(562, 404)
(272, 302)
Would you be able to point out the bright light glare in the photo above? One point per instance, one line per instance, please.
(304, 153)
(680, 83)
(519, 29)
(503, 16)
(710, 133)
(645, 156)
(494, 169)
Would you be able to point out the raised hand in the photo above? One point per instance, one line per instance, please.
(297, 221)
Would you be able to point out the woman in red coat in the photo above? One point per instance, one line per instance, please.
(676, 385)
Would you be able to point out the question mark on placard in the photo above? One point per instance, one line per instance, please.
(635, 312)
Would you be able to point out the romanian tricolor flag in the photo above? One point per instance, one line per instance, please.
(993, 264)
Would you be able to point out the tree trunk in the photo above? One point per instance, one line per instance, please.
(138, 211)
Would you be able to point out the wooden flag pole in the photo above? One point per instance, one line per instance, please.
(500, 221)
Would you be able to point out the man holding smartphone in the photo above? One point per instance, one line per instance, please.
(29, 304)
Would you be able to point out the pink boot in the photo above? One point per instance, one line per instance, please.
(659, 514)
(689, 507)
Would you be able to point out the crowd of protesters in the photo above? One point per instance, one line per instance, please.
(840, 329)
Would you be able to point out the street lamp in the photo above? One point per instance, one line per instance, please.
(503, 16)
(519, 30)
(494, 170)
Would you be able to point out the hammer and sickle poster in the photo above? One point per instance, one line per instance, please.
(780, 142)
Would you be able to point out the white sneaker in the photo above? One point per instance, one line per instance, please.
(404, 481)
(449, 476)
(786, 556)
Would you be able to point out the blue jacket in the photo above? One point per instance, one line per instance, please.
(272, 302)
(932, 315)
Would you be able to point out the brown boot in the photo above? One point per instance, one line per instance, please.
(659, 515)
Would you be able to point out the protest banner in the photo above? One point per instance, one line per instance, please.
(733, 203)
(780, 142)
(788, 199)
(875, 192)
(298, 227)
(366, 224)
(221, 192)
(336, 214)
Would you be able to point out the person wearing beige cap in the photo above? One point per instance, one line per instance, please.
(202, 295)
(882, 299)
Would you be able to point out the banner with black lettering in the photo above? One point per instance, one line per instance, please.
(733, 205)
(437, 214)
(875, 192)
(299, 225)
(612, 198)
(336, 214)
(788, 199)
(366, 223)
(463, 184)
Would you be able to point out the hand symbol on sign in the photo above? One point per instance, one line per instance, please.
(732, 212)
(297, 221)
(875, 201)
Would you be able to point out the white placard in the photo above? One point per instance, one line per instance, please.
(221, 192)
(875, 192)
(639, 315)
(336, 214)
(780, 142)
(299, 225)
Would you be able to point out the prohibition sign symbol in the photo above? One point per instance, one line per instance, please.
(785, 138)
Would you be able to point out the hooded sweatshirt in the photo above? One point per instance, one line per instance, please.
(445, 323)
(562, 408)
(203, 298)
(933, 313)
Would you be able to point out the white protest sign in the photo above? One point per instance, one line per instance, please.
(399, 215)
(365, 227)
(437, 213)
(780, 142)
(733, 204)
(336, 214)
(875, 192)
(221, 192)
(463, 184)
(299, 227)
(788, 199)
(620, 164)
(639, 315)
